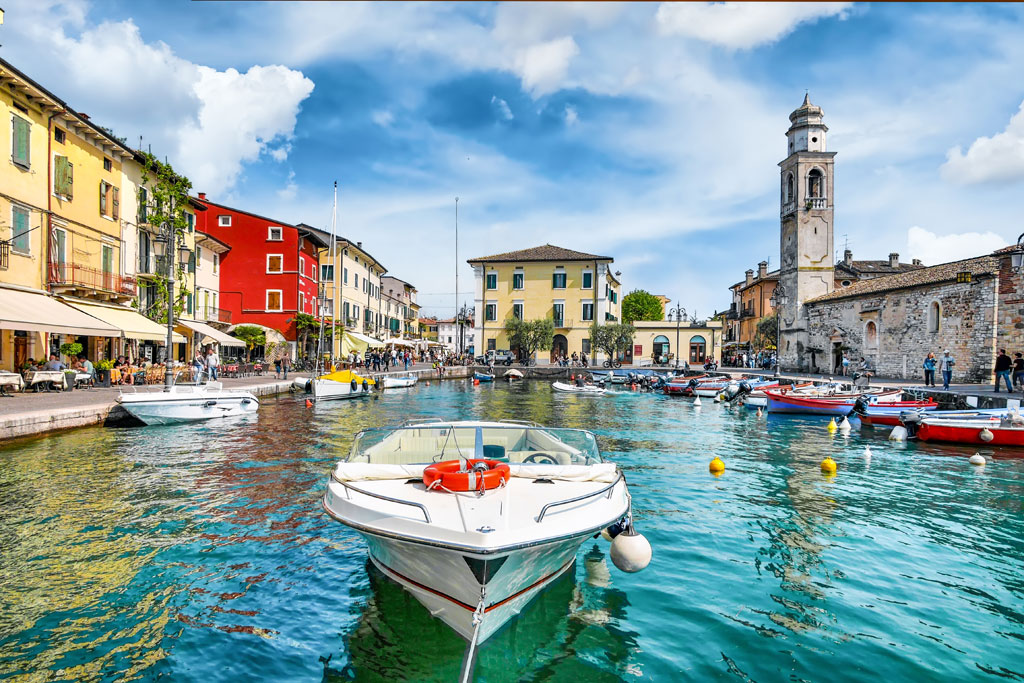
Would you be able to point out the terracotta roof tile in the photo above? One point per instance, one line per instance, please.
(918, 277)
(546, 252)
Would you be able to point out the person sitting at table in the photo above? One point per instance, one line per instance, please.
(54, 364)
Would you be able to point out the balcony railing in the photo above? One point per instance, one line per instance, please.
(817, 202)
(77, 275)
(5, 254)
(788, 208)
(212, 313)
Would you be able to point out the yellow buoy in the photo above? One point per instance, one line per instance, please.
(716, 466)
(832, 425)
(828, 466)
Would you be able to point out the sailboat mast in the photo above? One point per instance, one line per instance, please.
(323, 289)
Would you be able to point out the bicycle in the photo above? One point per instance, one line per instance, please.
(612, 364)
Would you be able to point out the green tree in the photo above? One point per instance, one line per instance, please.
(163, 203)
(530, 335)
(641, 305)
(764, 335)
(612, 338)
(252, 336)
(308, 327)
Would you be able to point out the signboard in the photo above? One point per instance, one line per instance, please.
(964, 276)
(638, 349)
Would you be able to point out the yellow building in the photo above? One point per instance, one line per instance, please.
(428, 329)
(689, 342)
(573, 288)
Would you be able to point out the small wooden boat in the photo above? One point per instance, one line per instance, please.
(888, 414)
(483, 377)
(680, 385)
(389, 382)
(513, 375)
(758, 399)
(834, 406)
(980, 431)
(586, 390)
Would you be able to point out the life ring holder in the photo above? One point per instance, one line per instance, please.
(451, 475)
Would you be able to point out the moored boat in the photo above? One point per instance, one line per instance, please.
(513, 375)
(889, 414)
(341, 384)
(586, 389)
(187, 403)
(979, 431)
(834, 406)
(400, 382)
(483, 377)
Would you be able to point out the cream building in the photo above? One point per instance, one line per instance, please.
(573, 288)
(399, 306)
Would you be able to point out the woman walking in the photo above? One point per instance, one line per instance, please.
(929, 369)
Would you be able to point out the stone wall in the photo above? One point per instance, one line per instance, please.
(1010, 321)
(967, 328)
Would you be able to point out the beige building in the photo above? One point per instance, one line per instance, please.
(573, 288)
(399, 307)
(689, 342)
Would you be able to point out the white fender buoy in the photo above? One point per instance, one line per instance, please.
(696, 402)
(630, 551)
(867, 452)
(977, 459)
(759, 413)
(844, 426)
(898, 433)
(986, 435)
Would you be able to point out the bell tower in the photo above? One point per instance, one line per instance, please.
(806, 214)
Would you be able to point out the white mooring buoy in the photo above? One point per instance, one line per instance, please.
(977, 459)
(630, 551)
(898, 433)
(696, 402)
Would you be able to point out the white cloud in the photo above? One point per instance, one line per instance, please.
(999, 158)
(281, 152)
(933, 249)
(571, 115)
(504, 111)
(543, 66)
(383, 118)
(290, 189)
(741, 25)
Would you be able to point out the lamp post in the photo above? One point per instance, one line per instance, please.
(679, 315)
(166, 246)
(1017, 257)
(778, 300)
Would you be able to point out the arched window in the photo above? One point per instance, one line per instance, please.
(697, 346)
(934, 316)
(789, 192)
(815, 184)
(661, 346)
(871, 335)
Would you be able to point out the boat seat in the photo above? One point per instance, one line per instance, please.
(494, 452)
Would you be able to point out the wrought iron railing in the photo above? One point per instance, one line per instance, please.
(77, 275)
(5, 254)
(215, 314)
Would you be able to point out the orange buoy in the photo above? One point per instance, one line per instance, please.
(476, 382)
(309, 404)
(479, 475)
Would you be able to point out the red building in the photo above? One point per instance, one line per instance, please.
(271, 272)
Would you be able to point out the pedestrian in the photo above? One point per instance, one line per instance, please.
(212, 363)
(929, 369)
(946, 364)
(1003, 365)
(285, 362)
(1018, 370)
(277, 368)
(198, 366)
(405, 357)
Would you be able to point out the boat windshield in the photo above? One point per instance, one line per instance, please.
(420, 444)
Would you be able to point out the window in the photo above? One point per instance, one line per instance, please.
(275, 263)
(19, 230)
(934, 316)
(355, 311)
(110, 205)
(355, 280)
(558, 280)
(586, 346)
(190, 218)
(517, 311)
(588, 311)
(107, 164)
(302, 302)
(216, 263)
(224, 221)
(492, 280)
(302, 265)
(274, 233)
(845, 283)
(789, 193)
(871, 335)
(491, 312)
(20, 141)
(517, 280)
(327, 272)
(558, 313)
(273, 299)
(199, 257)
(143, 205)
(815, 184)
(492, 344)
(588, 280)
(59, 136)
(345, 274)
(345, 307)
(63, 177)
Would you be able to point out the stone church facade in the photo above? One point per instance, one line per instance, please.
(895, 315)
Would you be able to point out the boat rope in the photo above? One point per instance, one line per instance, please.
(478, 620)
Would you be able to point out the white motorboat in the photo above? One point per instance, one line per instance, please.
(341, 384)
(187, 403)
(587, 389)
(390, 382)
(476, 518)
(513, 375)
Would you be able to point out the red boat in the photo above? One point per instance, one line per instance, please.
(834, 406)
(978, 432)
(680, 385)
(888, 414)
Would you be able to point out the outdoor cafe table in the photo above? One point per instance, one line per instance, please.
(38, 376)
(8, 379)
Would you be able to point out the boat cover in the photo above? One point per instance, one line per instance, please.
(363, 471)
(346, 376)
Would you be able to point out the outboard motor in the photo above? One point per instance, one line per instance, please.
(911, 420)
(737, 390)
(859, 407)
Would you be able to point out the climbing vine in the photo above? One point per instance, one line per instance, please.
(163, 204)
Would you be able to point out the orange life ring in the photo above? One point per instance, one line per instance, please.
(454, 479)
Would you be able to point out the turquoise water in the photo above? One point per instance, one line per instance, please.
(200, 553)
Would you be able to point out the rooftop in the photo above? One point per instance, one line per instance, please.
(980, 266)
(877, 267)
(546, 252)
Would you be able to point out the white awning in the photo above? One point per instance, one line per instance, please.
(212, 334)
(130, 323)
(395, 341)
(369, 341)
(34, 311)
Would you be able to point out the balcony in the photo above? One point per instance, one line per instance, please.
(74, 277)
(817, 203)
(788, 208)
(5, 254)
(214, 314)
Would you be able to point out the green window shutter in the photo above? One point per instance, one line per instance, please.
(143, 199)
(103, 198)
(192, 262)
(117, 204)
(71, 180)
(20, 130)
(60, 171)
(20, 238)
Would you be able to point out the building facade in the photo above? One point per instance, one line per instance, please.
(455, 337)
(573, 288)
(688, 341)
(399, 306)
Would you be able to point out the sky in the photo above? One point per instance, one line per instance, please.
(647, 132)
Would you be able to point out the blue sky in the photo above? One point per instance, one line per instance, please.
(646, 132)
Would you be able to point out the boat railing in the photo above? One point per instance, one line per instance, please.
(426, 419)
(349, 487)
(593, 494)
(524, 423)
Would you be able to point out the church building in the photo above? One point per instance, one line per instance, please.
(890, 313)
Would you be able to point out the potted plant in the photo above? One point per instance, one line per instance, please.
(102, 368)
(70, 349)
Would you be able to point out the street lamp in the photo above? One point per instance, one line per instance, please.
(679, 315)
(166, 246)
(1017, 257)
(778, 300)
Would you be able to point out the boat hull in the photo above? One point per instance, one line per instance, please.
(397, 382)
(970, 432)
(482, 377)
(329, 390)
(589, 390)
(446, 583)
(178, 409)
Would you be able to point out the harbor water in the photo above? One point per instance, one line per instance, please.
(200, 553)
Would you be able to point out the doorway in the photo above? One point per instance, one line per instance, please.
(559, 347)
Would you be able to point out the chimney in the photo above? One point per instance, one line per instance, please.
(202, 195)
(916, 262)
(762, 269)
(894, 260)
(848, 258)
(359, 244)
(750, 276)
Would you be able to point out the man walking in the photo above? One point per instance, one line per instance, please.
(1018, 370)
(946, 364)
(1003, 365)
(212, 363)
